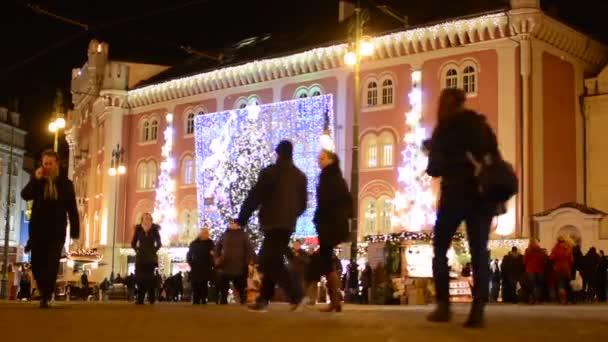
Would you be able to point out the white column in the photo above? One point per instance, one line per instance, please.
(340, 99)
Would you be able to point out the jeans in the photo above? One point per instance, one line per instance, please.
(459, 204)
(200, 291)
(535, 283)
(45, 266)
(272, 265)
(146, 282)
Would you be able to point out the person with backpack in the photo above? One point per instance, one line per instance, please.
(234, 253)
(463, 152)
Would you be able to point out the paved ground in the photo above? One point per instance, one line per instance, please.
(119, 322)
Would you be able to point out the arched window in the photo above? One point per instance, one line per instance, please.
(190, 124)
(387, 92)
(469, 80)
(142, 176)
(243, 105)
(369, 151)
(145, 131)
(189, 225)
(314, 91)
(370, 214)
(253, 101)
(451, 78)
(372, 94)
(302, 96)
(152, 175)
(153, 130)
(188, 171)
(385, 215)
(386, 149)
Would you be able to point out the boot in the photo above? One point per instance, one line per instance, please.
(442, 313)
(475, 319)
(335, 303)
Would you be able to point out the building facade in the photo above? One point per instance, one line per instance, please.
(522, 69)
(12, 151)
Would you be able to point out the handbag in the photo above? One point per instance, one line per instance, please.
(496, 177)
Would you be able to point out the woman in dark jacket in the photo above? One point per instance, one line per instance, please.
(146, 243)
(334, 208)
(200, 259)
(460, 140)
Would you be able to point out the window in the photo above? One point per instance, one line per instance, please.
(316, 93)
(153, 130)
(253, 101)
(190, 124)
(303, 96)
(13, 168)
(370, 217)
(142, 176)
(387, 155)
(372, 94)
(372, 156)
(451, 78)
(468, 80)
(243, 105)
(385, 209)
(152, 174)
(13, 196)
(145, 131)
(188, 171)
(387, 92)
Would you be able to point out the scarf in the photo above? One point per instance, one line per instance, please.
(50, 188)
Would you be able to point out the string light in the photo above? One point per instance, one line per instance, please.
(408, 236)
(233, 146)
(164, 207)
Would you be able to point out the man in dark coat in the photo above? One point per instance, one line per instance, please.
(200, 259)
(281, 196)
(54, 201)
(234, 253)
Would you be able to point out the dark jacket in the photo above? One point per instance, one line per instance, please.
(298, 262)
(281, 195)
(234, 252)
(200, 260)
(49, 217)
(464, 132)
(334, 206)
(146, 245)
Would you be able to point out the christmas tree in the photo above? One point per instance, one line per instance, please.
(164, 206)
(238, 157)
(415, 204)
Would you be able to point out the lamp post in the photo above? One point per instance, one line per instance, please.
(59, 122)
(362, 48)
(5, 286)
(117, 169)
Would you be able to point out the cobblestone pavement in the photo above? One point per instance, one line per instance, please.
(119, 322)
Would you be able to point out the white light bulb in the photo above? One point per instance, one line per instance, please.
(122, 169)
(169, 117)
(350, 58)
(60, 123)
(366, 48)
(52, 127)
(112, 171)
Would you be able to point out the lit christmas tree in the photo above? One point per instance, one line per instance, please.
(164, 206)
(238, 157)
(415, 204)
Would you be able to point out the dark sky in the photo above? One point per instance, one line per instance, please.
(39, 51)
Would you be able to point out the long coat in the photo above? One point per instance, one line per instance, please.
(334, 206)
(200, 260)
(50, 216)
(146, 245)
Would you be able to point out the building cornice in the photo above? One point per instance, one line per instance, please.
(404, 43)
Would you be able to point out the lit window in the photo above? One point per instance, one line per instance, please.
(145, 131)
(316, 93)
(190, 124)
(253, 101)
(152, 175)
(372, 156)
(386, 214)
(370, 217)
(469, 80)
(154, 130)
(451, 78)
(372, 94)
(142, 176)
(387, 92)
(188, 171)
(243, 105)
(387, 155)
(303, 96)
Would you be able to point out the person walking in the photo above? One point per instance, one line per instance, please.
(534, 260)
(54, 202)
(146, 243)
(459, 141)
(334, 209)
(281, 196)
(200, 259)
(234, 253)
(563, 263)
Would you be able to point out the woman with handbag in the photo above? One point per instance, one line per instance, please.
(459, 134)
(146, 243)
(334, 208)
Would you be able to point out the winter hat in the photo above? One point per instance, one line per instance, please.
(285, 149)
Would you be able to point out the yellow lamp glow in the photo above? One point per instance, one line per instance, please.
(350, 58)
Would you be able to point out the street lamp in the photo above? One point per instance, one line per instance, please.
(55, 126)
(117, 169)
(362, 47)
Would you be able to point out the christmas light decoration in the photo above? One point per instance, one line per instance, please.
(164, 205)
(414, 205)
(409, 236)
(233, 146)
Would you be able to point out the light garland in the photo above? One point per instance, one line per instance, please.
(409, 236)
(414, 205)
(233, 146)
(164, 207)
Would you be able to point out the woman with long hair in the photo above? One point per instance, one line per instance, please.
(460, 138)
(146, 242)
(334, 208)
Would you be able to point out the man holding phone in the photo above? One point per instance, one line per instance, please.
(54, 200)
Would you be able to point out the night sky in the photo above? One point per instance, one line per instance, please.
(39, 51)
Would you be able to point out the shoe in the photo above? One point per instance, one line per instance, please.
(332, 308)
(44, 304)
(296, 307)
(442, 313)
(475, 319)
(258, 307)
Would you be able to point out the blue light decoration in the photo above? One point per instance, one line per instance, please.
(233, 146)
